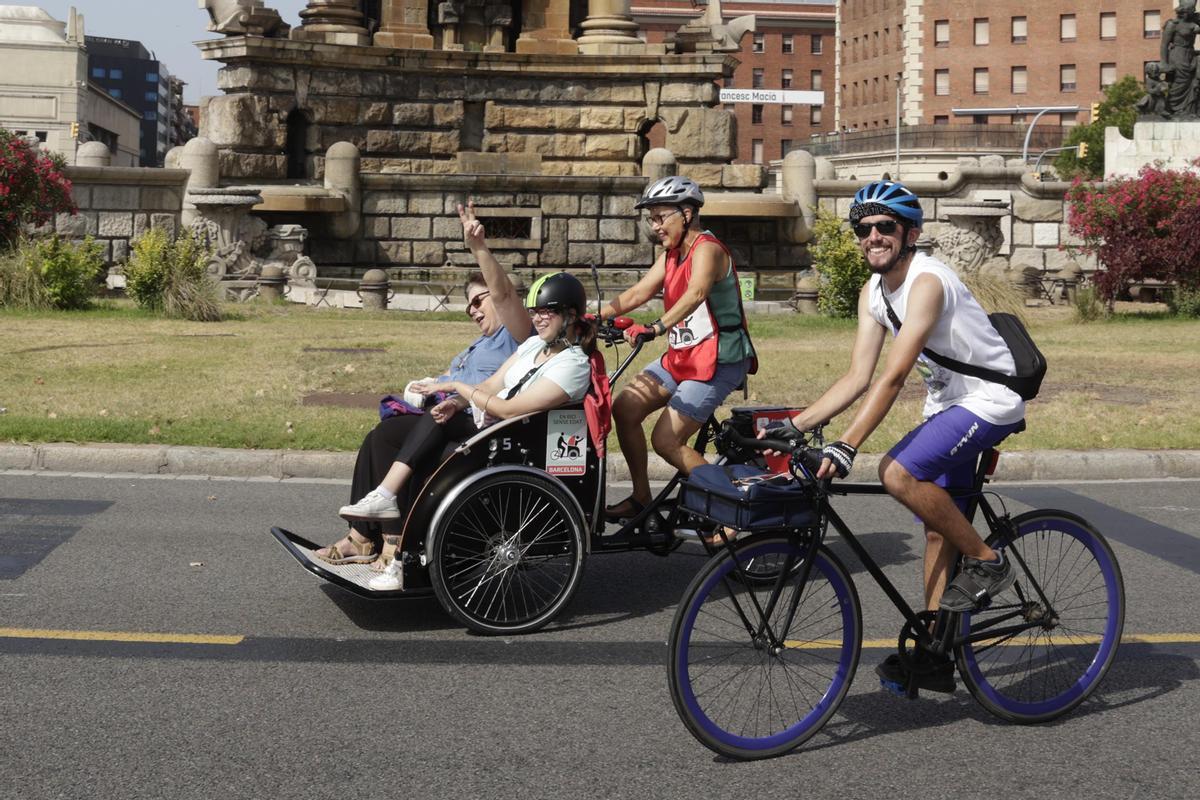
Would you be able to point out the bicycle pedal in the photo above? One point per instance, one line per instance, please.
(895, 687)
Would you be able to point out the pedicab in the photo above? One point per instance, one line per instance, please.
(500, 531)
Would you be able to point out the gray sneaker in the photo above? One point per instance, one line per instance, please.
(977, 583)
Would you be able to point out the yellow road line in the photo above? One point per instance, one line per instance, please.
(118, 636)
(1129, 638)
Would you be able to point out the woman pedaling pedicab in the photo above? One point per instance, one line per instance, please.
(709, 350)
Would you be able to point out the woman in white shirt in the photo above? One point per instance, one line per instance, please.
(547, 370)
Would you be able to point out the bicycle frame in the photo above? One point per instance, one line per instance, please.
(942, 639)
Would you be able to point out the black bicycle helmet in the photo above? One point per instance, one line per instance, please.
(887, 197)
(558, 290)
(674, 190)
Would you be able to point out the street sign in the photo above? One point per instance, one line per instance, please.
(787, 96)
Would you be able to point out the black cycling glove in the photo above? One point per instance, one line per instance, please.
(841, 455)
(785, 430)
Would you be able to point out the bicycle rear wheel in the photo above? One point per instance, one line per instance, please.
(735, 693)
(1045, 671)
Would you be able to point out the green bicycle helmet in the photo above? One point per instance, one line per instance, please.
(560, 291)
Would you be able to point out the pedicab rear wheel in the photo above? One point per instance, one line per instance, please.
(508, 555)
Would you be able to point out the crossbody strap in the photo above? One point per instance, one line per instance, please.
(961, 367)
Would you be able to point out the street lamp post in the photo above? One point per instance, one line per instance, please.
(1041, 110)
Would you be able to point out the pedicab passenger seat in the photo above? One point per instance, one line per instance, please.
(744, 497)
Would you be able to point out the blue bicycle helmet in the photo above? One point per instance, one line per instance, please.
(887, 197)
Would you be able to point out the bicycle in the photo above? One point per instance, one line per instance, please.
(759, 661)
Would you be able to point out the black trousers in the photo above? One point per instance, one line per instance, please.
(415, 440)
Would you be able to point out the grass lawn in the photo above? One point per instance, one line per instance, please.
(294, 377)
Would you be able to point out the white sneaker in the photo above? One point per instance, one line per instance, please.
(373, 506)
(389, 580)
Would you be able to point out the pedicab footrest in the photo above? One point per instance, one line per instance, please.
(744, 497)
(351, 577)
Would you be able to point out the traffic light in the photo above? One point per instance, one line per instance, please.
(1082, 150)
(75, 130)
(1095, 111)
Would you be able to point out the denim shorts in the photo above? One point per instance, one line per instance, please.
(699, 399)
(944, 449)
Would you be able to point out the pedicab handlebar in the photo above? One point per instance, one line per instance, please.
(611, 331)
(804, 450)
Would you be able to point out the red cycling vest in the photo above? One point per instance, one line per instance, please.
(694, 342)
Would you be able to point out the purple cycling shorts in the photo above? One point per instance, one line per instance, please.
(945, 448)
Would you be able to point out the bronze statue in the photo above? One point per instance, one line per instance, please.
(1178, 60)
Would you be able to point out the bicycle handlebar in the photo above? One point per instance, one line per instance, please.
(805, 460)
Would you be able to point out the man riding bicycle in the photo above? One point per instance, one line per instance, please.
(923, 304)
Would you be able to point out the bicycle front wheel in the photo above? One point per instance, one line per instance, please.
(740, 693)
(1068, 580)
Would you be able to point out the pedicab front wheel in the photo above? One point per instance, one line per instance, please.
(508, 555)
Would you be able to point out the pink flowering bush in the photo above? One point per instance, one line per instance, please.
(33, 187)
(1140, 228)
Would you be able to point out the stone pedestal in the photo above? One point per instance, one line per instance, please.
(546, 28)
(974, 236)
(610, 30)
(332, 22)
(1175, 144)
(404, 25)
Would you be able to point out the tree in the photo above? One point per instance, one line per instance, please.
(1117, 110)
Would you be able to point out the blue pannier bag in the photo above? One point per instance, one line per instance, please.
(744, 497)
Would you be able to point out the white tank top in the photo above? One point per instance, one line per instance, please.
(964, 333)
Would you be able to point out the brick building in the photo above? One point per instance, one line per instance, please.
(793, 49)
(950, 54)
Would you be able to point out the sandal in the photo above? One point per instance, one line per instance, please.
(714, 541)
(625, 510)
(348, 550)
(388, 554)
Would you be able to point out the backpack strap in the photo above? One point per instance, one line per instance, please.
(954, 365)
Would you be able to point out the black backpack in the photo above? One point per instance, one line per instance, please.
(1030, 363)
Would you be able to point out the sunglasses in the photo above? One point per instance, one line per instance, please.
(543, 311)
(885, 227)
(477, 301)
(658, 219)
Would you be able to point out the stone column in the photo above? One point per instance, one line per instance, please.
(610, 30)
(404, 25)
(546, 28)
(332, 22)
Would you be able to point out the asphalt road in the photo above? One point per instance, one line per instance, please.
(267, 683)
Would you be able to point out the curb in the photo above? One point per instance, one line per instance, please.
(132, 459)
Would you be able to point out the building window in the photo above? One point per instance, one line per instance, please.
(1019, 119)
(1151, 25)
(1020, 80)
(151, 97)
(1066, 78)
(941, 119)
(785, 147)
(756, 78)
(979, 119)
(814, 115)
(151, 77)
(1108, 74)
(787, 43)
(941, 33)
(150, 115)
(116, 74)
(1066, 27)
(982, 33)
(98, 72)
(1068, 120)
(115, 94)
(1020, 30)
(786, 79)
(817, 44)
(756, 151)
(1108, 25)
(785, 115)
(756, 113)
(941, 82)
(760, 43)
(981, 80)
(815, 80)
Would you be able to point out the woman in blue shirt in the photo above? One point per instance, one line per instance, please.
(495, 306)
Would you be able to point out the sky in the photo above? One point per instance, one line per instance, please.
(167, 28)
